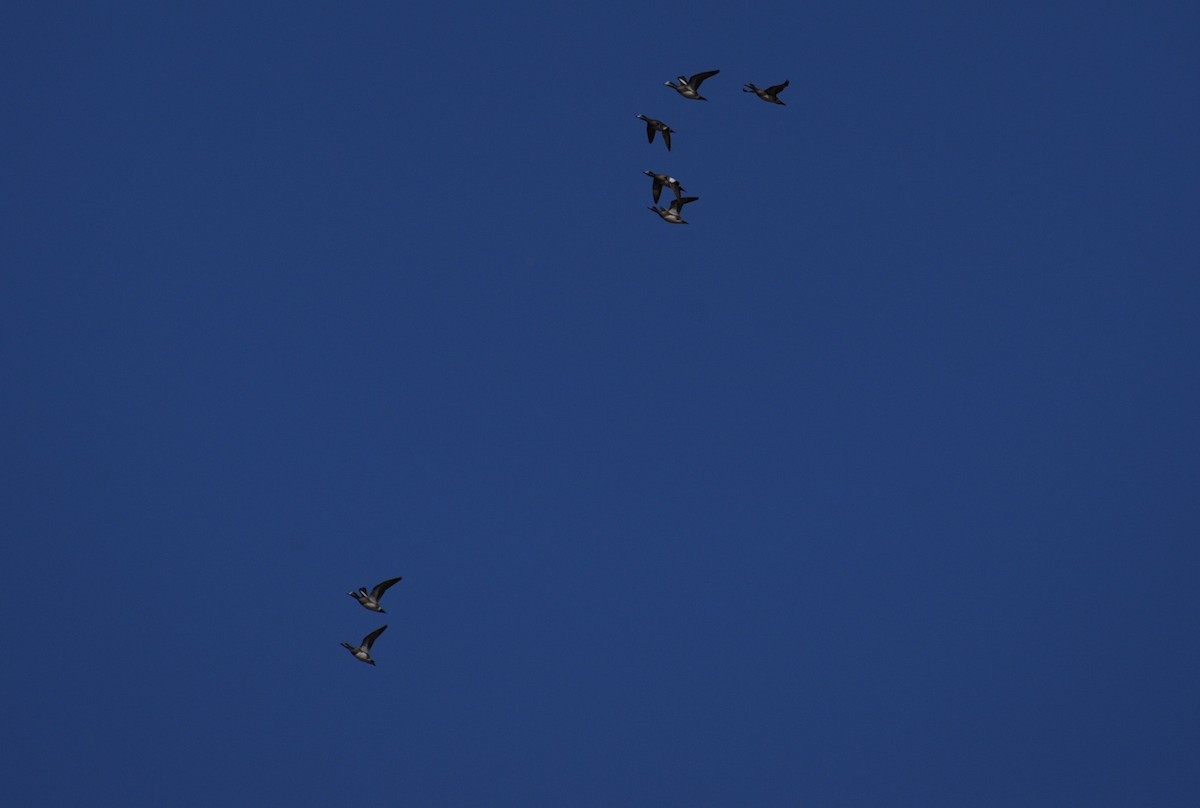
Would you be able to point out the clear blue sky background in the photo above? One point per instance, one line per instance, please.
(874, 485)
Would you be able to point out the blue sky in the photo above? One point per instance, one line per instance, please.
(876, 484)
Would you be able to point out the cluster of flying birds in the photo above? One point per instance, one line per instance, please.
(369, 600)
(689, 88)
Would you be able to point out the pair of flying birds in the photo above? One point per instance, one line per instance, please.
(369, 600)
(689, 88)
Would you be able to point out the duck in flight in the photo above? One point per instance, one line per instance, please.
(690, 88)
(661, 180)
(770, 94)
(370, 600)
(363, 652)
(653, 126)
(673, 213)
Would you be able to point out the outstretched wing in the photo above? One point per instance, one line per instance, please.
(778, 88)
(657, 189)
(369, 640)
(379, 589)
(683, 200)
(696, 80)
(667, 138)
(649, 132)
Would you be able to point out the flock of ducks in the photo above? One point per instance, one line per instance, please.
(689, 88)
(369, 600)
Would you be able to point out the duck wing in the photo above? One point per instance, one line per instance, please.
(696, 80)
(657, 189)
(379, 589)
(778, 88)
(667, 138)
(369, 640)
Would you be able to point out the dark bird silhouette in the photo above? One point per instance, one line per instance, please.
(770, 94)
(653, 126)
(661, 180)
(673, 213)
(690, 88)
(363, 651)
(371, 600)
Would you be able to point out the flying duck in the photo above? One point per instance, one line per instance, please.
(690, 88)
(653, 126)
(363, 651)
(770, 94)
(371, 600)
(673, 213)
(662, 179)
